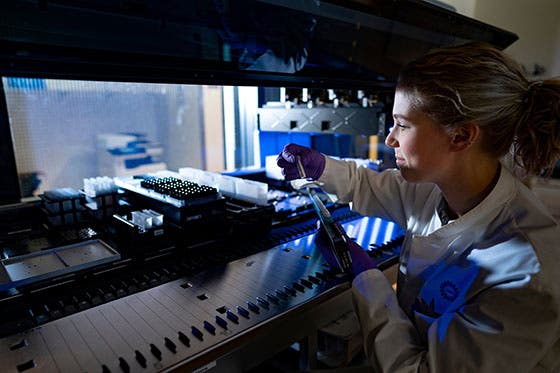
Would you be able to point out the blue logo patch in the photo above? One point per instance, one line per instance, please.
(448, 290)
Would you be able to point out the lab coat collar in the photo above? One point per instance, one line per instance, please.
(502, 193)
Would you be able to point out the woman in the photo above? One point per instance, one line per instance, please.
(479, 274)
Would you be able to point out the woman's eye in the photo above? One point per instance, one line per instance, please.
(401, 125)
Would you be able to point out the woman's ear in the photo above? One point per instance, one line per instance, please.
(464, 136)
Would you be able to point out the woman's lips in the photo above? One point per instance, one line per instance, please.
(400, 161)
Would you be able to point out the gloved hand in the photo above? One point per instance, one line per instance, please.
(312, 161)
(361, 261)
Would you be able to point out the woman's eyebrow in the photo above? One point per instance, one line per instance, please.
(401, 116)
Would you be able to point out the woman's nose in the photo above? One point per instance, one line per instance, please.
(391, 141)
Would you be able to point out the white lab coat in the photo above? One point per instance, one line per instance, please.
(479, 294)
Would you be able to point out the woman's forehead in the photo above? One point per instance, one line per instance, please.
(406, 108)
(404, 105)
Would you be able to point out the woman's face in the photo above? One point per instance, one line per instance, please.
(422, 147)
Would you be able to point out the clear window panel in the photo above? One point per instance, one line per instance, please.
(65, 130)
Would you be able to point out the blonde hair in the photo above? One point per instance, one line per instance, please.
(477, 83)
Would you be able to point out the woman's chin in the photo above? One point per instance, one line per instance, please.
(409, 175)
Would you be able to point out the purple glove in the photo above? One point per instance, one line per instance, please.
(361, 261)
(312, 161)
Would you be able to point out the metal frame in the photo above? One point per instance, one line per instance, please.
(9, 182)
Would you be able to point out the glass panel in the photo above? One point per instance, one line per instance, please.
(65, 131)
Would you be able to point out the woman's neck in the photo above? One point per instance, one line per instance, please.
(470, 186)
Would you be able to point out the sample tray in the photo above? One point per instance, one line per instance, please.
(45, 264)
